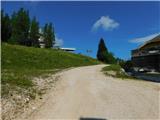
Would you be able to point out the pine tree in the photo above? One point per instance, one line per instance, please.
(45, 34)
(14, 36)
(103, 54)
(102, 51)
(20, 25)
(49, 36)
(34, 33)
(5, 27)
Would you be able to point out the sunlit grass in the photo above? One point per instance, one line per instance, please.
(20, 64)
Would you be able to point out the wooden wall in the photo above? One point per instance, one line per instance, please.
(150, 61)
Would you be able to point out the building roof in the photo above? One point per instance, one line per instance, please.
(153, 40)
(68, 49)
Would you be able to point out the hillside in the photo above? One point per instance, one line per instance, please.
(20, 64)
(27, 73)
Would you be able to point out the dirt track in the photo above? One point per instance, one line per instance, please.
(85, 92)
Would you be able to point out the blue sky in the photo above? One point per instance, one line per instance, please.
(123, 25)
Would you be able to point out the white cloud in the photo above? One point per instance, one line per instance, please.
(143, 39)
(58, 41)
(106, 23)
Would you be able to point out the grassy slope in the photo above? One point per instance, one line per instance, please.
(20, 64)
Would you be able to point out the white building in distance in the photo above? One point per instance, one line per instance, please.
(41, 39)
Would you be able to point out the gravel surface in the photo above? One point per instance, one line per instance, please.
(85, 92)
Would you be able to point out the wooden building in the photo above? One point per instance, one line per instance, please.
(147, 56)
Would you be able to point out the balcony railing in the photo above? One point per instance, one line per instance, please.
(144, 52)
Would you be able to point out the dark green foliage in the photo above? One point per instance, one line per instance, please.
(109, 58)
(6, 27)
(45, 33)
(19, 30)
(20, 27)
(49, 37)
(102, 51)
(34, 33)
(14, 24)
(128, 65)
(103, 54)
(121, 62)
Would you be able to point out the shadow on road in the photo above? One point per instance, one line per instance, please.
(90, 118)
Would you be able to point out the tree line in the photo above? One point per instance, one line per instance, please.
(20, 29)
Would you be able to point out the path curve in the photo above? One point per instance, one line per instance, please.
(85, 92)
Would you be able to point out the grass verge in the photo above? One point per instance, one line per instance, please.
(115, 70)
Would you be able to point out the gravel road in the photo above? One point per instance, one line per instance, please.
(85, 92)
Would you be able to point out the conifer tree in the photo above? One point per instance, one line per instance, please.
(14, 36)
(45, 34)
(20, 27)
(102, 51)
(5, 27)
(103, 54)
(34, 33)
(49, 37)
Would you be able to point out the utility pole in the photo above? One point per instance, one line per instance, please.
(88, 52)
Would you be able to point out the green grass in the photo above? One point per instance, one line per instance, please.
(112, 67)
(115, 68)
(20, 64)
